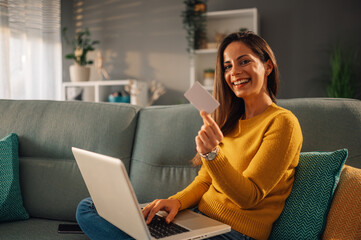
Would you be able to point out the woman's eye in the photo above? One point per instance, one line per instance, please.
(227, 67)
(243, 62)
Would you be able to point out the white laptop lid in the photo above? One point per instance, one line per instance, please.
(114, 198)
(109, 189)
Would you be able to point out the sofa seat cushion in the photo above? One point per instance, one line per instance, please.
(36, 229)
(344, 217)
(11, 202)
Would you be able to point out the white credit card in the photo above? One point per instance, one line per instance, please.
(201, 98)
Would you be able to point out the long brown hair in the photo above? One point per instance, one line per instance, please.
(232, 108)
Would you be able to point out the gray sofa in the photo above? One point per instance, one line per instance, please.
(155, 143)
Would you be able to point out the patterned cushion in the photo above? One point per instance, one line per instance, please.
(344, 217)
(11, 203)
(305, 211)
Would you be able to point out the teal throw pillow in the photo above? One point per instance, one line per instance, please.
(11, 202)
(305, 211)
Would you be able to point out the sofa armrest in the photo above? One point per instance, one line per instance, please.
(344, 217)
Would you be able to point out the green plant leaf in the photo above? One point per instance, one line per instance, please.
(70, 56)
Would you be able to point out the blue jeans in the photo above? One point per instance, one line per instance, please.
(97, 228)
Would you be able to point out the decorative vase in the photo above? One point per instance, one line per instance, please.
(79, 73)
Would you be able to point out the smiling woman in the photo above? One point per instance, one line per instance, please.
(248, 151)
(245, 64)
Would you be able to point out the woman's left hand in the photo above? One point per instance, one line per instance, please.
(209, 136)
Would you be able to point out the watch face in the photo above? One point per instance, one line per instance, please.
(211, 155)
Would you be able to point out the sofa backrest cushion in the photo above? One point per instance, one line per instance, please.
(329, 124)
(163, 149)
(50, 180)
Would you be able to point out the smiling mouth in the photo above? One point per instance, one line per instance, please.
(241, 82)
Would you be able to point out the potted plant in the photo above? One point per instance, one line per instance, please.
(81, 44)
(194, 22)
(342, 74)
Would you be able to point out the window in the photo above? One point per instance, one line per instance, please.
(30, 49)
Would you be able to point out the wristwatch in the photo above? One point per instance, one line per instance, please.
(211, 155)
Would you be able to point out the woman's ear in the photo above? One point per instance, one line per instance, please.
(268, 67)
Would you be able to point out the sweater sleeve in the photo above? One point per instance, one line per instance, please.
(277, 154)
(192, 194)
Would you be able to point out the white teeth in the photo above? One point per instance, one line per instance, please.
(241, 81)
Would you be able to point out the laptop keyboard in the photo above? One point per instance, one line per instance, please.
(159, 228)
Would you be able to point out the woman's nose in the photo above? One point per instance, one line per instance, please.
(235, 71)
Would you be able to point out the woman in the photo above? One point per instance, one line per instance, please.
(248, 150)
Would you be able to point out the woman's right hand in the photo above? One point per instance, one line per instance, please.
(209, 136)
(171, 206)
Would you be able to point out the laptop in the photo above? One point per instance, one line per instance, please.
(112, 193)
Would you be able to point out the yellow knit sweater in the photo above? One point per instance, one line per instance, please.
(247, 184)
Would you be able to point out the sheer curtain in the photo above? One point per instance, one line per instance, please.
(30, 49)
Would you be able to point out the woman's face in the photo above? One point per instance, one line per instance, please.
(244, 72)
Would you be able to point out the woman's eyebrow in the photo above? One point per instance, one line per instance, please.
(239, 57)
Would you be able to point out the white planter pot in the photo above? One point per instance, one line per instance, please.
(79, 73)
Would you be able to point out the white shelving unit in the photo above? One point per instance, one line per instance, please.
(224, 22)
(98, 91)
